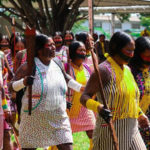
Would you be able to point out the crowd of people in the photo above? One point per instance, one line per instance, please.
(66, 96)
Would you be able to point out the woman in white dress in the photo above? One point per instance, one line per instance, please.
(48, 124)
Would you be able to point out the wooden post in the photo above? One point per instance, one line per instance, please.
(91, 16)
(30, 44)
(112, 23)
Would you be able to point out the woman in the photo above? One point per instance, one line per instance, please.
(140, 67)
(88, 41)
(17, 44)
(68, 38)
(4, 110)
(61, 50)
(48, 123)
(122, 95)
(81, 118)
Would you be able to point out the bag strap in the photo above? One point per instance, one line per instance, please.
(60, 65)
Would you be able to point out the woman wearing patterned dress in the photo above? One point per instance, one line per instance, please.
(140, 67)
(61, 50)
(49, 123)
(122, 95)
(81, 118)
(3, 102)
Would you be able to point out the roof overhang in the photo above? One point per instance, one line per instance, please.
(112, 3)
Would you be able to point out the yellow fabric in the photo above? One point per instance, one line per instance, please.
(145, 101)
(143, 33)
(140, 112)
(103, 49)
(92, 105)
(81, 78)
(91, 144)
(126, 97)
(52, 148)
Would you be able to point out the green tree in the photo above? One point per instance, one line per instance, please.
(123, 17)
(145, 20)
(47, 16)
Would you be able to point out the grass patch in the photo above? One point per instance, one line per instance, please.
(80, 141)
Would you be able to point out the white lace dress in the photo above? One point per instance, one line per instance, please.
(48, 124)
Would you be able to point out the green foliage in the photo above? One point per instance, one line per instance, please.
(78, 27)
(123, 17)
(145, 20)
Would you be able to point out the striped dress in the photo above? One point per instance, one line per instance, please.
(126, 128)
(48, 124)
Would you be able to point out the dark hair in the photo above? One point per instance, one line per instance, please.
(73, 48)
(95, 36)
(58, 33)
(101, 35)
(40, 41)
(69, 32)
(118, 41)
(17, 39)
(4, 37)
(141, 44)
(82, 37)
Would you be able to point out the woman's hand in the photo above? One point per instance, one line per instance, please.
(8, 116)
(104, 113)
(143, 121)
(82, 88)
(28, 80)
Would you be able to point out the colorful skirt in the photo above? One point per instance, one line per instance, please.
(1, 130)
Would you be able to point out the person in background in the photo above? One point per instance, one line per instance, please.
(61, 50)
(4, 109)
(88, 41)
(95, 37)
(68, 38)
(4, 44)
(17, 44)
(101, 47)
(122, 96)
(140, 67)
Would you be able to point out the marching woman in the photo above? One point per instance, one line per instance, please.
(68, 38)
(16, 44)
(49, 123)
(122, 95)
(4, 110)
(81, 118)
(87, 39)
(61, 50)
(140, 67)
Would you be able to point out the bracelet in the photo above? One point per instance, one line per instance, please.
(92, 105)
(18, 85)
(74, 85)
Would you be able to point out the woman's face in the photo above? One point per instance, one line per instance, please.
(48, 51)
(58, 40)
(4, 44)
(81, 53)
(89, 42)
(19, 46)
(68, 39)
(127, 52)
(145, 56)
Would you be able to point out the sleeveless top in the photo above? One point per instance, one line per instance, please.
(48, 89)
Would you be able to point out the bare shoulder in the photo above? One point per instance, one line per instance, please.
(105, 72)
(21, 72)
